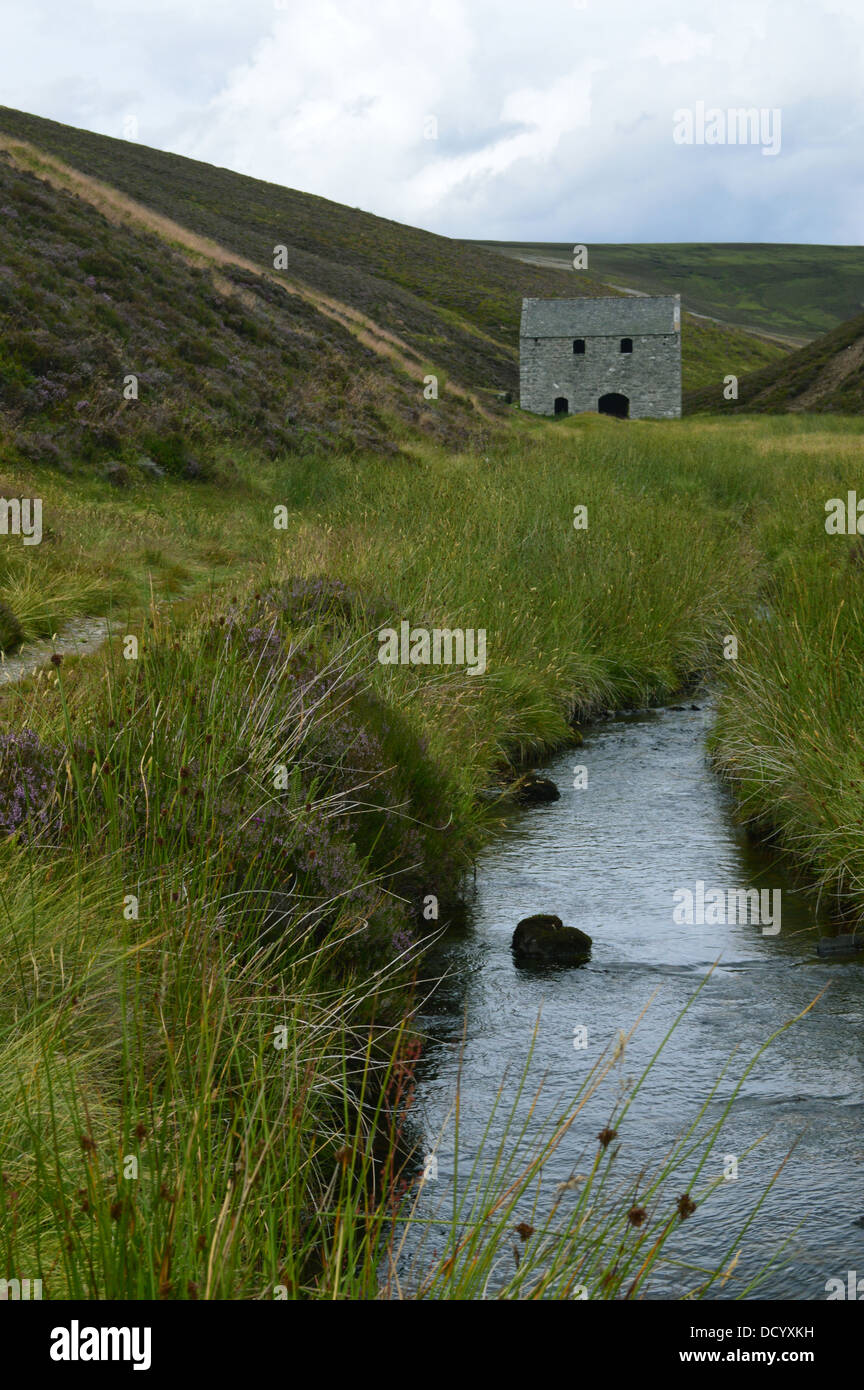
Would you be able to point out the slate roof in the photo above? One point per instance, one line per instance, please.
(596, 317)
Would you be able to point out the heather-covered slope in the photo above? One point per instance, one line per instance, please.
(450, 301)
(826, 376)
(86, 304)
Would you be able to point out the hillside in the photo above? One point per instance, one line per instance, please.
(85, 304)
(796, 292)
(454, 306)
(825, 376)
(425, 302)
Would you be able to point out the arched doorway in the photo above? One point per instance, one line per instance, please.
(561, 406)
(613, 403)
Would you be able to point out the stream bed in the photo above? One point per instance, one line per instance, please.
(77, 638)
(608, 858)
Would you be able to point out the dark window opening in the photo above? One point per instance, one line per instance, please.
(561, 406)
(578, 345)
(614, 404)
(626, 344)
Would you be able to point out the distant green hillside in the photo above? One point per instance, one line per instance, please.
(794, 291)
(455, 304)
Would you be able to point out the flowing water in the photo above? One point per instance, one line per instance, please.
(79, 637)
(608, 858)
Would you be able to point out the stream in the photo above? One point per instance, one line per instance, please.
(608, 858)
(77, 638)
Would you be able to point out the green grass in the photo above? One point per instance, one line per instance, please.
(711, 351)
(107, 551)
(787, 733)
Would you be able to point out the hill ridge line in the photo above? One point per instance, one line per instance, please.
(123, 210)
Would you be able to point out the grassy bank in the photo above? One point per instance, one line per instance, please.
(218, 850)
(786, 735)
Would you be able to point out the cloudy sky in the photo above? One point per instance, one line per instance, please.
(549, 120)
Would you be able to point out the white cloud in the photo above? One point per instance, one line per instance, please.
(545, 117)
(553, 120)
(680, 44)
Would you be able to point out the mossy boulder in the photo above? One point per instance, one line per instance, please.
(11, 634)
(534, 790)
(544, 940)
(117, 474)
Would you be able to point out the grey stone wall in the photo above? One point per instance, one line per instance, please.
(649, 376)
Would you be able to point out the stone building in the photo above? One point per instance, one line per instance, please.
(617, 355)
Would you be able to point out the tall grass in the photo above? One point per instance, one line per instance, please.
(786, 734)
(170, 911)
(194, 1029)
